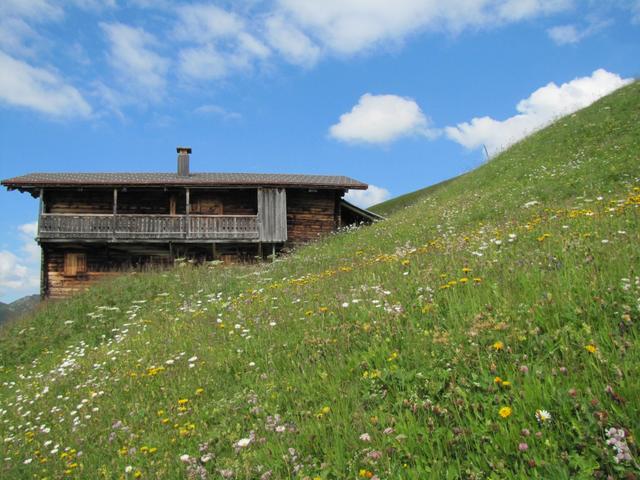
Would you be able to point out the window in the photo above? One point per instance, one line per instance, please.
(74, 264)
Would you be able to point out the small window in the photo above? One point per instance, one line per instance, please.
(74, 264)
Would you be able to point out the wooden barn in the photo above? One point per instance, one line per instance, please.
(93, 225)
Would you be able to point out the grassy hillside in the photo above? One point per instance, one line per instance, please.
(396, 204)
(488, 331)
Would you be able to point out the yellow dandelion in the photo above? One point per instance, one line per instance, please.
(183, 401)
(591, 348)
(505, 412)
(497, 346)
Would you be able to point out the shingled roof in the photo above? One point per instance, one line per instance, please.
(38, 180)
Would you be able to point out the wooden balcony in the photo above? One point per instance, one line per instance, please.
(145, 228)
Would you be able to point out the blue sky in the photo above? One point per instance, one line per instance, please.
(398, 94)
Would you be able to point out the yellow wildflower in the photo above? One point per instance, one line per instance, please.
(497, 346)
(591, 348)
(505, 412)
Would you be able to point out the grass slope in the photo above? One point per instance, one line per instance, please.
(420, 347)
(396, 204)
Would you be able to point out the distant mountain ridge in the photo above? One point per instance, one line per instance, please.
(18, 307)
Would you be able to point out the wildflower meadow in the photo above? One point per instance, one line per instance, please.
(488, 328)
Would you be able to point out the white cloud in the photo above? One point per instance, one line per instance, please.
(94, 5)
(366, 198)
(291, 42)
(28, 232)
(565, 34)
(22, 85)
(32, 9)
(132, 57)
(202, 63)
(17, 34)
(381, 119)
(20, 274)
(534, 112)
(352, 26)
(572, 34)
(635, 12)
(210, 109)
(221, 43)
(204, 23)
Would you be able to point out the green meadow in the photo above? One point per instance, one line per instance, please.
(487, 329)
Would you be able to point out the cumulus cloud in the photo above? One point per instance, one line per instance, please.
(22, 85)
(366, 198)
(132, 56)
(381, 119)
(352, 26)
(20, 273)
(534, 112)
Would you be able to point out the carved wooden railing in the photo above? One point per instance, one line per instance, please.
(148, 227)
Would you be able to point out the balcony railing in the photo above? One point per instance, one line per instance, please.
(148, 227)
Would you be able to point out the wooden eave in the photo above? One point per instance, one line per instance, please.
(361, 211)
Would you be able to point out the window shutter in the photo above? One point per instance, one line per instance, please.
(74, 263)
(70, 264)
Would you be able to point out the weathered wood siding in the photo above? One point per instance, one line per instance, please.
(152, 201)
(224, 202)
(107, 261)
(100, 265)
(272, 212)
(74, 201)
(310, 215)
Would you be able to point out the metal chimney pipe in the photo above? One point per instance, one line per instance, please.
(183, 160)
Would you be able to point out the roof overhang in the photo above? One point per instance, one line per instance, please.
(36, 181)
(373, 217)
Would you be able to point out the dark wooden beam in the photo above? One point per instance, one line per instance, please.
(187, 211)
(115, 211)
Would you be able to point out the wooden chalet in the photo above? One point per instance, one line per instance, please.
(93, 225)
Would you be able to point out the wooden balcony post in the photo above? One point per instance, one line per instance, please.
(115, 211)
(40, 211)
(187, 209)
